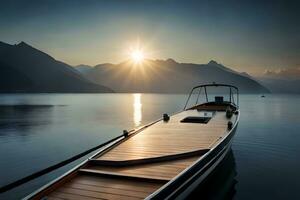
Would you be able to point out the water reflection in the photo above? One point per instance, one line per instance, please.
(221, 182)
(20, 119)
(137, 109)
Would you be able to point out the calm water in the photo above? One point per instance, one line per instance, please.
(263, 164)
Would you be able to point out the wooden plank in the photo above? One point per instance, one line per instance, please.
(116, 183)
(161, 170)
(97, 195)
(137, 194)
(70, 196)
(161, 159)
(127, 175)
(108, 190)
(97, 187)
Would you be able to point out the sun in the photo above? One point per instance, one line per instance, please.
(137, 56)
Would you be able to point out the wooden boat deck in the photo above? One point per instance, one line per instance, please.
(88, 187)
(143, 162)
(172, 137)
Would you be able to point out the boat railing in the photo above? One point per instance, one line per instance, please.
(233, 94)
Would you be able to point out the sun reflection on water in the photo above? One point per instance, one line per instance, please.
(137, 109)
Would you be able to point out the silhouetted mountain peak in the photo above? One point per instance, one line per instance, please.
(22, 43)
(212, 62)
(24, 68)
(31, 51)
(171, 61)
(25, 45)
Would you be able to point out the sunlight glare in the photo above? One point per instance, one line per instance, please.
(137, 56)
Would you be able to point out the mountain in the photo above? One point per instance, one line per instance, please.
(246, 75)
(26, 69)
(281, 85)
(83, 68)
(285, 80)
(283, 74)
(167, 76)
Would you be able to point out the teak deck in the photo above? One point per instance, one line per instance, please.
(88, 187)
(145, 161)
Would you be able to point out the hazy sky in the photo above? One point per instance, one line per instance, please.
(249, 36)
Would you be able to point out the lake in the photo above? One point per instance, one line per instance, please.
(38, 130)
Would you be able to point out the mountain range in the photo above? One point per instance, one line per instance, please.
(286, 80)
(167, 76)
(26, 69)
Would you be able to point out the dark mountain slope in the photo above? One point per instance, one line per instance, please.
(26, 69)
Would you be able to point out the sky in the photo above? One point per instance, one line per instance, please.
(252, 36)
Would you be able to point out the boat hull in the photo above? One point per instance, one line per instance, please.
(200, 177)
(186, 182)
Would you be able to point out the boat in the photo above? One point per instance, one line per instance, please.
(166, 159)
(221, 183)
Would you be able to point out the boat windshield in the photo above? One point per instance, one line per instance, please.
(218, 93)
